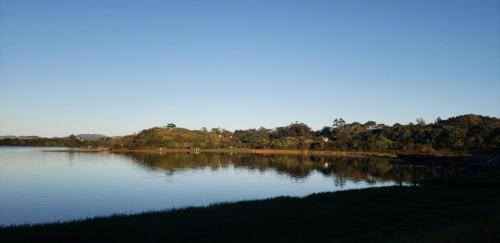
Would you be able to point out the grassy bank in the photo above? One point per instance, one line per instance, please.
(465, 213)
(250, 151)
(303, 152)
(337, 153)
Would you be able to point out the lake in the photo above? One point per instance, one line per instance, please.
(39, 185)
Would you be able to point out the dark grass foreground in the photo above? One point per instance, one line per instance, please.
(459, 213)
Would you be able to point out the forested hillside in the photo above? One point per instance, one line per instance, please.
(471, 133)
(466, 133)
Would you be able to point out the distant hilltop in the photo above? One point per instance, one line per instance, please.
(81, 137)
(19, 137)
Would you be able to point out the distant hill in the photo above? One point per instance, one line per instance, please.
(19, 137)
(82, 137)
(7, 137)
(90, 137)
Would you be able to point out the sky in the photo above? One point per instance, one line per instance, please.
(117, 67)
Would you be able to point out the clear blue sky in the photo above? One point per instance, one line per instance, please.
(116, 67)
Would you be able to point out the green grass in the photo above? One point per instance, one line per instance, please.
(464, 213)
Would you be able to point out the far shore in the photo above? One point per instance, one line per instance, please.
(393, 154)
(243, 151)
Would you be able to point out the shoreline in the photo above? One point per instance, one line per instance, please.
(390, 154)
(263, 151)
(270, 151)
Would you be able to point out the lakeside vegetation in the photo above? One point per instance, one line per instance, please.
(466, 211)
(457, 135)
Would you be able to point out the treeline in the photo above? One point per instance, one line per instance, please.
(471, 133)
(70, 141)
(467, 133)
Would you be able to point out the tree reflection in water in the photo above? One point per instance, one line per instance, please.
(343, 169)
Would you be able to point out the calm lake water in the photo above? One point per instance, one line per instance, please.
(40, 185)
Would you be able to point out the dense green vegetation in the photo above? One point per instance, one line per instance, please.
(462, 212)
(464, 133)
(467, 133)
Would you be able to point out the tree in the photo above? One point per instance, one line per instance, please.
(326, 132)
(420, 121)
(171, 125)
(370, 125)
(252, 138)
(217, 130)
(338, 123)
(296, 129)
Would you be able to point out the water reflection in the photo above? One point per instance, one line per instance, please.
(40, 186)
(370, 170)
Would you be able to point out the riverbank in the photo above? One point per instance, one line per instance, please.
(337, 153)
(459, 213)
(391, 154)
(268, 151)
